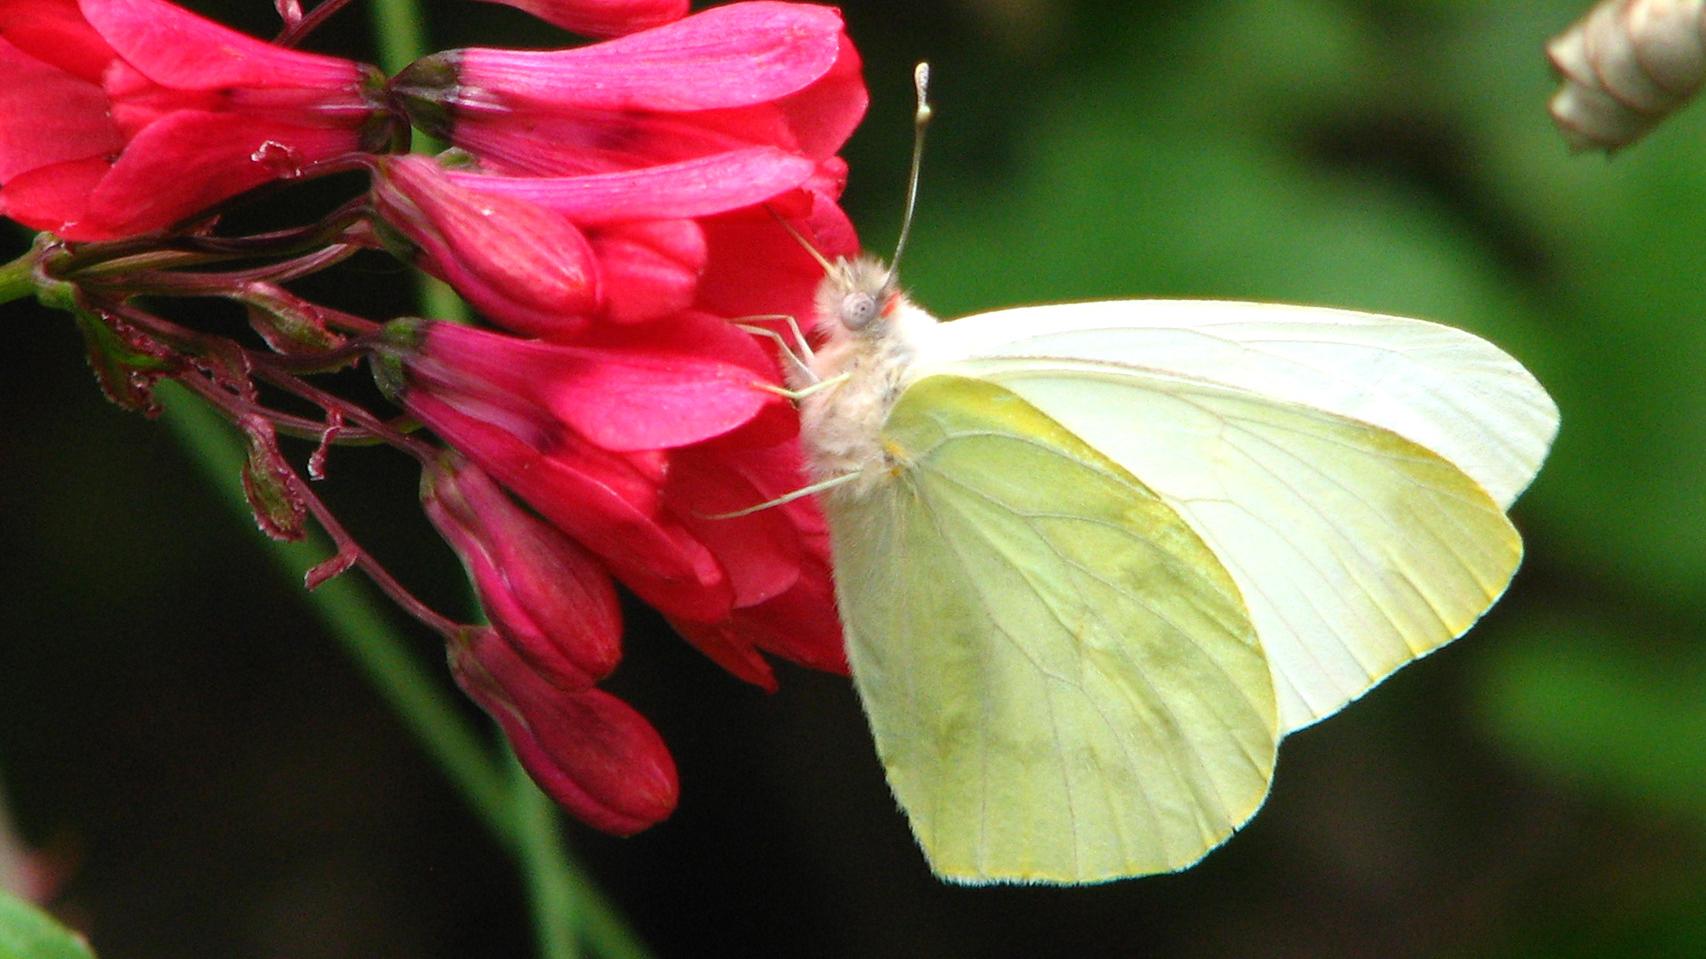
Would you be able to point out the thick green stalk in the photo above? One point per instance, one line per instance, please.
(400, 26)
(17, 278)
(548, 879)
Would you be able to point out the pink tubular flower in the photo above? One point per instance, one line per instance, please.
(602, 18)
(579, 432)
(546, 255)
(547, 598)
(118, 117)
(746, 74)
(674, 152)
(588, 750)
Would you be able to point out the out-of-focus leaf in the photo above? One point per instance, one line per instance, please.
(1619, 244)
(1622, 718)
(28, 933)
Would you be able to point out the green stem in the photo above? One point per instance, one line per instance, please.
(548, 875)
(17, 278)
(354, 617)
(528, 824)
(601, 925)
(563, 898)
(400, 26)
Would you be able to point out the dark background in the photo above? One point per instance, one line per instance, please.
(218, 780)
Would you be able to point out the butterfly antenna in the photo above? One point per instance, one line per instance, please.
(920, 120)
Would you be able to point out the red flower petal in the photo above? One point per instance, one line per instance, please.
(179, 49)
(602, 18)
(691, 188)
(778, 558)
(53, 197)
(55, 32)
(526, 268)
(825, 114)
(756, 267)
(649, 390)
(651, 270)
(548, 598)
(735, 55)
(602, 141)
(188, 161)
(48, 116)
(761, 552)
(800, 625)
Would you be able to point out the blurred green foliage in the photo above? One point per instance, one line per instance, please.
(1537, 789)
(27, 933)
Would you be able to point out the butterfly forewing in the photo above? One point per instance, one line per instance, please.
(1063, 682)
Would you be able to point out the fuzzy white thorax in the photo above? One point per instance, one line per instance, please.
(869, 332)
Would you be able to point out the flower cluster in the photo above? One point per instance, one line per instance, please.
(620, 213)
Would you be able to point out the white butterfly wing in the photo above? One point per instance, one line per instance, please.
(1350, 470)
(1440, 387)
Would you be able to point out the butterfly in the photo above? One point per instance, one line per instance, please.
(1094, 560)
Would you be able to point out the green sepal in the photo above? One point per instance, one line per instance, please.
(288, 323)
(426, 91)
(399, 339)
(267, 482)
(126, 363)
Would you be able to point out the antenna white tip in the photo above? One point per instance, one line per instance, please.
(921, 83)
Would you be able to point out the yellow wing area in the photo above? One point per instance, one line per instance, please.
(1063, 682)
(1355, 549)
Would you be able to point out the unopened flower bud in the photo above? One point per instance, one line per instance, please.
(526, 268)
(547, 597)
(588, 750)
(1626, 66)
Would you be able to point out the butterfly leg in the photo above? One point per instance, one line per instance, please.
(799, 352)
(800, 394)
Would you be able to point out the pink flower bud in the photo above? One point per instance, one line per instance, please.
(602, 18)
(119, 117)
(525, 267)
(547, 597)
(588, 750)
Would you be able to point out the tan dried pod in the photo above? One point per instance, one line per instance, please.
(1626, 66)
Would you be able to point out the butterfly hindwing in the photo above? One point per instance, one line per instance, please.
(1357, 548)
(1063, 682)
(1450, 391)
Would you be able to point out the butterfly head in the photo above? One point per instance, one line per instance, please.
(857, 296)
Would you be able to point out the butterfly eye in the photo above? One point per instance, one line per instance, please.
(857, 310)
